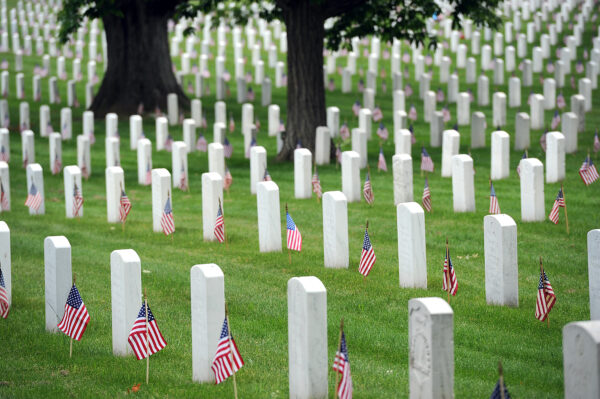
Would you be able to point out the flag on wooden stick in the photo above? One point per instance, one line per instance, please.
(368, 191)
(227, 360)
(77, 199)
(166, 221)
(545, 296)
(220, 225)
(76, 316)
(367, 256)
(125, 207)
(4, 305)
(559, 202)
(494, 207)
(294, 238)
(341, 365)
(588, 171)
(34, 198)
(426, 200)
(449, 275)
(145, 338)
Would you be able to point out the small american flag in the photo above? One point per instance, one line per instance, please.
(361, 86)
(408, 90)
(560, 101)
(169, 143)
(148, 174)
(125, 206)
(34, 198)
(596, 142)
(588, 171)
(65, 130)
(201, 144)
(448, 268)
(579, 67)
(25, 160)
(183, 184)
(220, 225)
(446, 114)
(545, 298)
(381, 163)
(559, 202)
(494, 207)
(56, 165)
(550, 67)
(4, 154)
(227, 359)
(368, 190)
(555, 120)
(440, 96)
(77, 200)
(341, 364)
(316, 185)
(228, 180)
(367, 256)
(497, 394)
(294, 238)
(227, 148)
(519, 165)
(426, 200)
(250, 94)
(356, 108)
(382, 132)
(76, 316)
(331, 85)
(281, 126)
(4, 205)
(412, 113)
(377, 114)
(84, 170)
(344, 131)
(231, 124)
(338, 153)
(4, 305)
(145, 338)
(267, 176)
(166, 221)
(252, 144)
(426, 161)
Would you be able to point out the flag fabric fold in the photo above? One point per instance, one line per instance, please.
(141, 329)
(227, 360)
(76, 316)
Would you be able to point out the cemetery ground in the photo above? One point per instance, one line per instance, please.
(375, 310)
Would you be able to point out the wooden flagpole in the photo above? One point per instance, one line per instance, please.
(565, 201)
(337, 375)
(71, 343)
(289, 250)
(231, 352)
(367, 231)
(447, 276)
(147, 339)
(369, 172)
(500, 372)
(544, 283)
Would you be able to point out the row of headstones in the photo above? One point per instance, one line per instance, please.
(430, 327)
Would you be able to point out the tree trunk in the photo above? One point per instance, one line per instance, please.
(139, 63)
(306, 90)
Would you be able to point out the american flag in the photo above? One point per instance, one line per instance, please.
(377, 114)
(183, 185)
(148, 174)
(65, 130)
(368, 191)
(267, 176)
(227, 148)
(440, 96)
(494, 207)
(25, 160)
(344, 131)
(4, 205)
(227, 359)
(341, 364)
(77, 199)
(550, 67)
(228, 180)
(145, 338)
(555, 120)
(426, 161)
(367, 256)
(4, 305)
(331, 85)
(220, 225)
(559, 202)
(169, 143)
(545, 298)
(446, 114)
(3, 154)
(166, 221)
(579, 67)
(449, 268)
(294, 238)
(231, 124)
(408, 90)
(381, 163)
(588, 171)
(338, 153)
(361, 86)
(201, 144)
(281, 126)
(57, 165)
(596, 142)
(76, 316)
(382, 132)
(125, 206)
(250, 94)
(426, 197)
(412, 113)
(356, 108)
(84, 170)
(497, 394)
(316, 185)
(543, 140)
(519, 165)
(560, 101)
(34, 198)
(252, 144)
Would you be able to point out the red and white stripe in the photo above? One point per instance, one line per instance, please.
(226, 361)
(494, 207)
(294, 239)
(4, 306)
(34, 201)
(74, 321)
(367, 260)
(589, 174)
(344, 388)
(220, 229)
(453, 280)
(167, 223)
(77, 203)
(137, 338)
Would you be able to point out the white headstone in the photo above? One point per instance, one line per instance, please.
(65, 124)
(500, 155)
(532, 190)
(114, 185)
(112, 151)
(161, 191)
(112, 125)
(335, 230)
(135, 130)
(555, 157)
(570, 122)
(126, 294)
(35, 176)
(499, 110)
(537, 111)
(581, 359)
(322, 145)
(55, 153)
(478, 125)
(269, 217)
(72, 176)
(463, 109)
(274, 119)
(403, 141)
(522, 137)
(501, 266)
(450, 144)
(258, 164)
(302, 173)
(57, 277)
(173, 109)
(162, 132)
(403, 178)
(179, 165)
(27, 147)
(144, 162)
(412, 259)
(351, 175)
(463, 188)
(307, 338)
(6, 260)
(212, 193)
(216, 159)
(593, 252)
(359, 145)
(333, 121)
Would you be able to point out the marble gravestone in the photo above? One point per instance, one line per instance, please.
(555, 157)
(500, 155)
(6, 260)
(35, 176)
(532, 190)
(463, 187)
(307, 338)
(161, 191)
(58, 279)
(450, 144)
(403, 178)
(593, 249)
(72, 176)
(501, 263)
(302, 173)
(269, 217)
(581, 359)
(212, 194)
(351, 176)
(412, 259)
(335, 230)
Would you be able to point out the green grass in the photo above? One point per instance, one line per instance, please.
(36, 363)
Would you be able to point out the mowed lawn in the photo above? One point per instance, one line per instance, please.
(35, 363)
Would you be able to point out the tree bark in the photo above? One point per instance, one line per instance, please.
(305, 91)
(139, 63)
